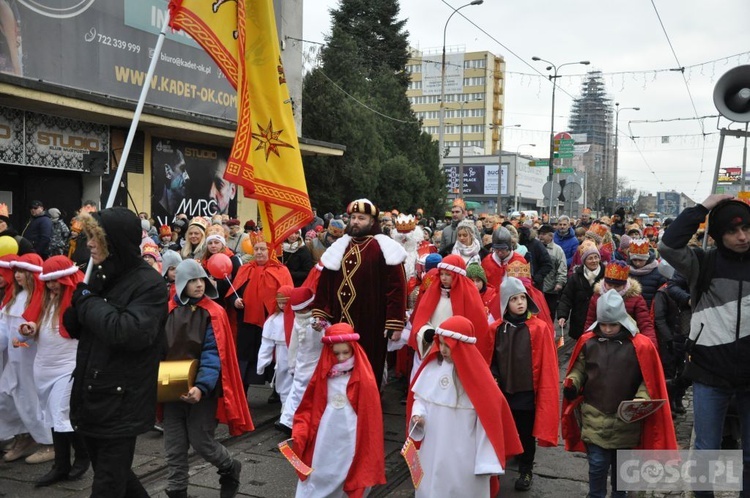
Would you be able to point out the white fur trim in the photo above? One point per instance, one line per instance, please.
(301, 306)
(58, 274)
(5, 264)
(393, 252)
(456, 269)
(26, 266)
(456, 335)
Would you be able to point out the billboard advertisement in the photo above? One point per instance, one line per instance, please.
(188, 178)
(105, 47)
(478, 179)
(432, 74)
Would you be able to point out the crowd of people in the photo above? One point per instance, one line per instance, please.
(471, 313)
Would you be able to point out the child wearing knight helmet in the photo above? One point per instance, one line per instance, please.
(198, 328)
(460, 418)
(524, 362)
(593, 394)
(338, 426)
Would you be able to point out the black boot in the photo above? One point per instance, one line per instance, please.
(61, 467)
(230, 480)
(81, 463)
(177, 493)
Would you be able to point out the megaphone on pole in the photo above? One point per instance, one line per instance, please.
(732, 94)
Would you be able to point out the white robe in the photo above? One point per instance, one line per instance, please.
(334, 445)
(19, 401)
(457, 457)
(304, 352)
(274, 345)
(53, 370)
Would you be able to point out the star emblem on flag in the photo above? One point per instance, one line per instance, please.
(268, 139)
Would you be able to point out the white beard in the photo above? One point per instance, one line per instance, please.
(410, 241)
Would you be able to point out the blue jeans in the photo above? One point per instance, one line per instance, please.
(601, 460)
(709, 410)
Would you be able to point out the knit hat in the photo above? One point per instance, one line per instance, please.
(501, 239)
(336, 228)
(364, 206)
(454, 263)
(431, 261)
(170, 259)
(233, 222)
(610, 308)
(339, 332)
(510, 287)
(625, 241)
(151, 249)
(188, 270)
(639, 249)
(165, 231)
(475, 270)
(468, 225)
(725, 216)
(200, 222)
(458, 328)
(597, 231)
(54, 213)
(301, 298)
(586, 249)
(616, 273)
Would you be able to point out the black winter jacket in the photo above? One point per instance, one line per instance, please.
(574, 300)
(119, 326)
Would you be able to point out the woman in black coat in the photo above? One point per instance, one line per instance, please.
(297, 258)
(575, 297)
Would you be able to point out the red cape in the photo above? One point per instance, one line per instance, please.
(232, 408)
(368, 466)
(657, 432)
(466, 302)
(546, 379)
(260, 292)
(490, 404)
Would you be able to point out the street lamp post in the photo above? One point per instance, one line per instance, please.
(617, 148)
(442, 94)
(553, 78)
(515, 174)
(500, 168)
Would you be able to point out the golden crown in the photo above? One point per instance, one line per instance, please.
(518, 270)
(616, 271)
(405, 223)
(639, 246)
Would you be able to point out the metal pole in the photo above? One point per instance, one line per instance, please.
(461, 154)
(133, 127)
(551, 172)
(617, 156)
(744, 161)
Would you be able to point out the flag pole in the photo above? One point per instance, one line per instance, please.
(133, 127)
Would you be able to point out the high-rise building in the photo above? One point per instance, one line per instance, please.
(474, 98)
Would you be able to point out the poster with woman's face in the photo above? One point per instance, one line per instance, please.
(189, 179)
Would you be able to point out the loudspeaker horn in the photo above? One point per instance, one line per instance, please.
(732, 94)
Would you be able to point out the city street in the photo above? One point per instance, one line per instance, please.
(267, 474)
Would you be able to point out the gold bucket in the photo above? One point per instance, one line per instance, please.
(175, 379)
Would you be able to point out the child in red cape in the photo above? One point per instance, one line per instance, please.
(593, 394)
(338, 426)
(524, 362)
(198, 328)
(460, 416)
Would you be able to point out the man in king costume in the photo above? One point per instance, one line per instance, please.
(363, 284)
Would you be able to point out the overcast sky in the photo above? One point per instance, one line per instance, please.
(621, 38)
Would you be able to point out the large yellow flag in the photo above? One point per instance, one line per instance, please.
(265, 157)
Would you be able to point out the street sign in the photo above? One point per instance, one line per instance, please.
(564, 155)
(554, 187)
(567, 141)
(539, 162)
(564, 170)
(572, 191)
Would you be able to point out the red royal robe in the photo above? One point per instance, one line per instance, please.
(232, 408)
(368, 466)
(657, 432)
(546, 380)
